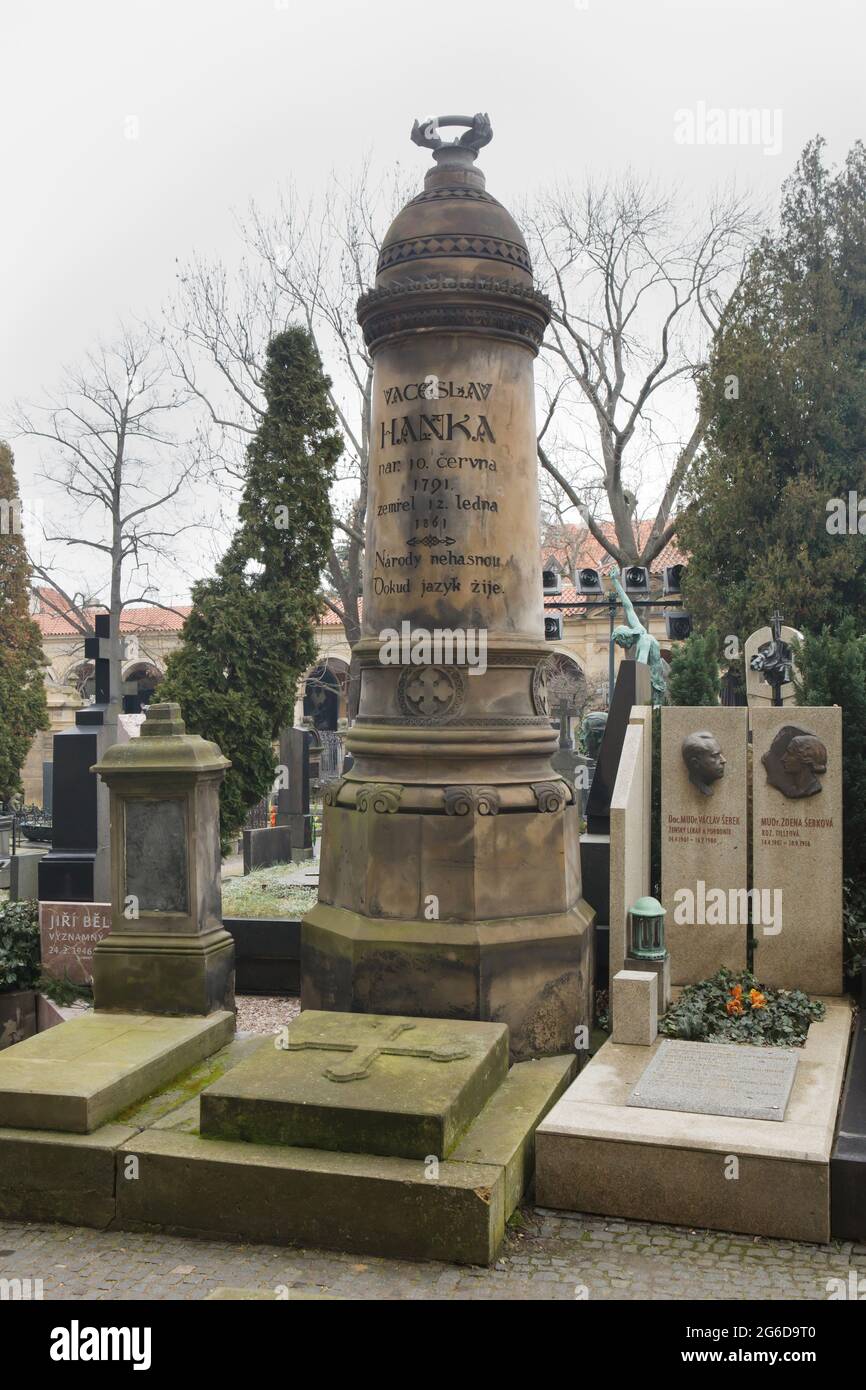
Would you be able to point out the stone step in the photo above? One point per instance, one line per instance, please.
(79, 1075)
(361, 1083)
(454, 1210)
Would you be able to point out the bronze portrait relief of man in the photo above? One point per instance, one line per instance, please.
(704, 759)
(795, 762)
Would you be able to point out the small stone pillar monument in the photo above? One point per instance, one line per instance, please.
(167, 951)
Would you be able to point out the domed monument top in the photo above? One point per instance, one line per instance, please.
(455, 228)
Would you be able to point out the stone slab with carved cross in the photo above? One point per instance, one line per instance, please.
(362, 1083)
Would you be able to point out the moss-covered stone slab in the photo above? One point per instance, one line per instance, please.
(451, 1209)
(356, 1202)
(81, 1074)
(60, 1177)
(504, 1132)
(361, 1083)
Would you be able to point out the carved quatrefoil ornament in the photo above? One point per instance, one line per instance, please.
(431, 692)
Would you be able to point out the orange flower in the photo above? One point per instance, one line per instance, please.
(734, 1008)
(737, 991)
(758, 1000)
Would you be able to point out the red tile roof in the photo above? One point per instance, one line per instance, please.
(146, 619)
(592, 554)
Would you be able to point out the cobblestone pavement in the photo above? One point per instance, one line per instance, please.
(548, 1257)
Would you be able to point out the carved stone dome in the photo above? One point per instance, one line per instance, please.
(454, 260)
(454, 227)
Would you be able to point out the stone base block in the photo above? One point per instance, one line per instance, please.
(534, 974)
(270, 844)
(596, 1154)
(635, 1008)
(389, 1206)
(346, 1201)
(134, 972)
(361, 1083)
(60, 1177)
(660, 968)
(81, 1074)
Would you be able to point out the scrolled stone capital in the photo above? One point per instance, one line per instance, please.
(332, 791)
(461, 801)
(487, 801)
(550, 797)
(380, 797)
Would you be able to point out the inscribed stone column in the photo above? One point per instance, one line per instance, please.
(704, 839)
(450, 876)
(797, 844)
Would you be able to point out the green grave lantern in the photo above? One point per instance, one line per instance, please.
(647, 930)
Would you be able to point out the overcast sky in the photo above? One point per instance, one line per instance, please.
(132, 129)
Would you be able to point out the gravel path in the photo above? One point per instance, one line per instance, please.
(258, 1015)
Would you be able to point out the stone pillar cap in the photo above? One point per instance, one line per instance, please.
(162, 746)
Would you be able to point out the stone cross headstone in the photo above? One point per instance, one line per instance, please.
(769, 664)
(704, 839)
(77, 867)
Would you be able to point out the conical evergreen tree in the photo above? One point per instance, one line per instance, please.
(249, 637)
(23, 706)
(694, 673)
(787, 390)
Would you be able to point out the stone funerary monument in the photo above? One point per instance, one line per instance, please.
(450, 876)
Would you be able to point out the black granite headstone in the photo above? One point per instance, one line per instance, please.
(66, 873)
(293, 801)
(848, 1157)
(632, 688)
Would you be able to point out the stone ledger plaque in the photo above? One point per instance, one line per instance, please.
(68, 934)
(156, 863)
(751, 1083)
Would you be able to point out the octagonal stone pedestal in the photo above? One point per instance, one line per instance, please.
(368, 946)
